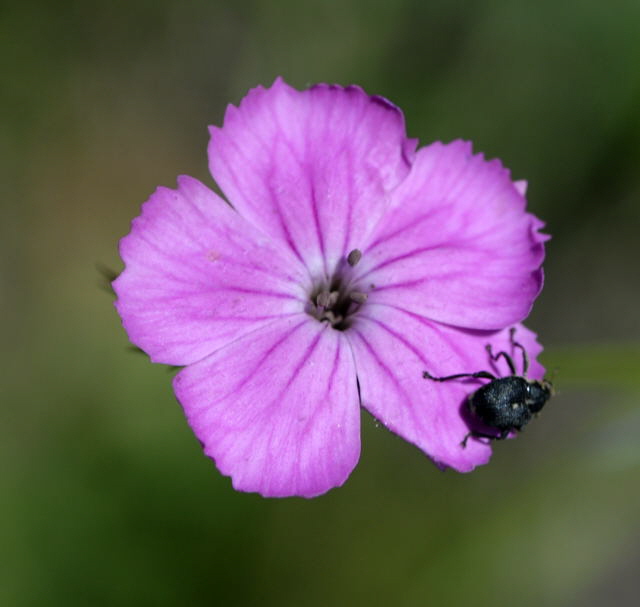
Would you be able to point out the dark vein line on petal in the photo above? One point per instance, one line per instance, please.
(213, 292)
(274, 197)
(264, 356)
(332, 375)
(392, 260)
(278, 275)
(308, 159)
(301, 363)
(436, 326)
(350, 205)
(389, 373)
(321, 404)
(437, 421)
(408, 226)
(316, 223)
(397, 285)
(248, 161)
(263, 293)
(283, 224)
(276, 403)
(397, 336)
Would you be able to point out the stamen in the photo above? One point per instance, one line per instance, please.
(333, 300)
(358, 297)
(354, 257)
(332, 318)
(322, 300)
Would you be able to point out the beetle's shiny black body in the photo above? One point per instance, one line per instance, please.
(508, 403)
(505, 403)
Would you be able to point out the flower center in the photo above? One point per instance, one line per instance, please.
(337, 300)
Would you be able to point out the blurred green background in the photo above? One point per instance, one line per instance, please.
(106, 498)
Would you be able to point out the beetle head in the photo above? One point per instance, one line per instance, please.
(539, 393)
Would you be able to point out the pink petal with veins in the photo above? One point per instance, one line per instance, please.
(278, 409)
(458, 247)
(198, 276)
(312, 168)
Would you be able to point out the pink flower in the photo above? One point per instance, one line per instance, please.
(283, 331)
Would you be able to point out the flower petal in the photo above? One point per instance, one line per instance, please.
(197, 276)
(458, 246)
(393, 348)
(312, 168)
(278, 409)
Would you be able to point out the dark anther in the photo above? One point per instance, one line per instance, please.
(336, 301)
(354, 257)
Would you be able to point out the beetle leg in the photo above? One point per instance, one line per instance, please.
(476, 375)
(502, 353)
(491, 437)
(476, 435)
(525, 356)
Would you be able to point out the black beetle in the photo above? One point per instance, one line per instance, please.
(505, 403)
